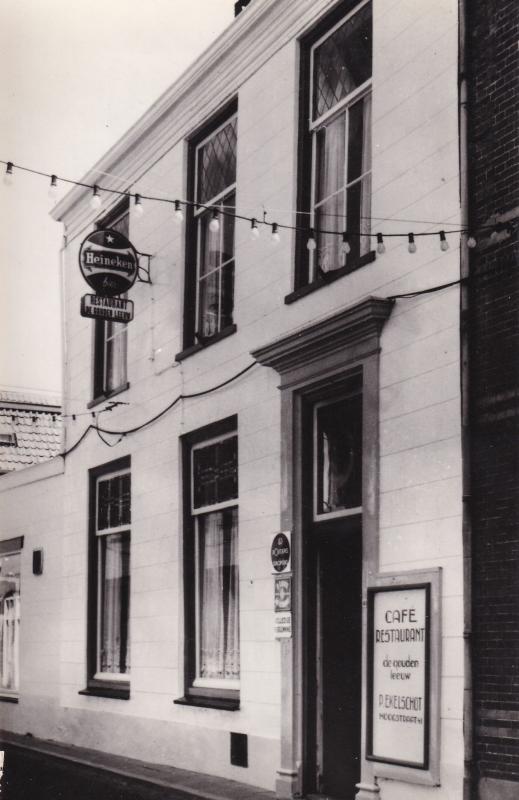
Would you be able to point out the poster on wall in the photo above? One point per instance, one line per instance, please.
(399, 674)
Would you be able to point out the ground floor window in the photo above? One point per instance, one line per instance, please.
(10, 560)
(211, 564)
(109, 579)
(218, 615)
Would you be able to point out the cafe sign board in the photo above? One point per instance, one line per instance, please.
(109, 262)
(403, 674)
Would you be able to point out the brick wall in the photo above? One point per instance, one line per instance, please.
(493, 76)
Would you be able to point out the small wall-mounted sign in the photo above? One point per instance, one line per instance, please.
(109, 262)
(283, 624)
(283, 593)
(116, 309)
(280, 552)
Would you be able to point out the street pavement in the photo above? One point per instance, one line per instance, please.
(29, 775)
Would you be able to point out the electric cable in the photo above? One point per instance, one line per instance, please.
(157, 416)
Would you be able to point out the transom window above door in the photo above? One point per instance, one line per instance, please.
(338, 457)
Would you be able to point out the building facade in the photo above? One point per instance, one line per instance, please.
(288, 382)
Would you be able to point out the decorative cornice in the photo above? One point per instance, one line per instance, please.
(360, 323)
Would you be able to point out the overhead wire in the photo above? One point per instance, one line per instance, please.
(226, 212)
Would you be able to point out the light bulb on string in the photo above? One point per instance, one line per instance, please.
(138, 208)
(8, 175)
(311, 244)
(471, 242)
(179, 214)
(275, 237)
(95, 200)
(412, 245)
(345, 247)
(53, 187)
(254, 230)
(444, 245)
(381, 247)
(214, 225)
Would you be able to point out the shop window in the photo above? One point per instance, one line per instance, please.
(209, 297)
(212, 579)
(335, 152)
(10, 561)
(111, 338)
(109, 580)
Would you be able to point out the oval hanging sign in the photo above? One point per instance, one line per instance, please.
(108, 262)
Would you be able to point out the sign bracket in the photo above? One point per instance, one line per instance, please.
(144, 270)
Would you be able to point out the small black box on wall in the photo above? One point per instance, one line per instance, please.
(37, 562)
(239, 750)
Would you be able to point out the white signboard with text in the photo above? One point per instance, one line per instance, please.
(404, 675)
(400, 634)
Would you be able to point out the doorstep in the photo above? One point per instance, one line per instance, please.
(191, 784)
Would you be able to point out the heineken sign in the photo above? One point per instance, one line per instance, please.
(108, 262)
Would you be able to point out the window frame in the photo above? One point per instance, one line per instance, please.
(114, 685)
(192, 343)
(102, 327)
(213, 693)
(304, 281)
(10, 547)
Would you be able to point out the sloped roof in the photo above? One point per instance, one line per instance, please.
(30, 428)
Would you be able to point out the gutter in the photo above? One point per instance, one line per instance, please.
(468, 701)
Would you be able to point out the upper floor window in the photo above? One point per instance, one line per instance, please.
(209, 302)
(111, 338)
(335, 156)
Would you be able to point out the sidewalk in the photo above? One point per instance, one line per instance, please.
(190, 784)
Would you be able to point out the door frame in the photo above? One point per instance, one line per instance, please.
(312, 361)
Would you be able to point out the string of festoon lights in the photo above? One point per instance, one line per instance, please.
(217, 212)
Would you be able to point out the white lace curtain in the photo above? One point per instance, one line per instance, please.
(219, 656)
(115, 603)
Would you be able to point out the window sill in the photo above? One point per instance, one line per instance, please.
(102, 397)
(112, 691)
(368, 258)
(8, 698)
(205, 701)
(195, 348)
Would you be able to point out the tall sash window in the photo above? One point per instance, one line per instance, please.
(108, 655)
(211, 561)
(215, 518)
(335, 153)
(113, 575)
(216, 188)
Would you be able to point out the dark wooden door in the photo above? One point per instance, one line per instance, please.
(336, 660)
